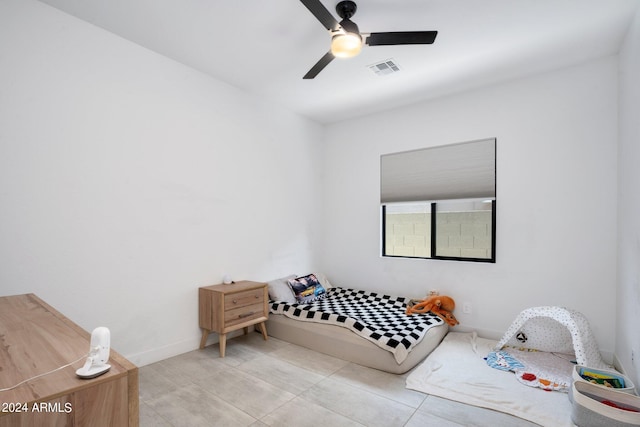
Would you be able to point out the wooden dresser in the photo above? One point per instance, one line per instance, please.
(226, 308)
(34, 339)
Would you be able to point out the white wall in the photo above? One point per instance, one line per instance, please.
(128, 180)
(628, 309)
(131, 179)
(556, 199)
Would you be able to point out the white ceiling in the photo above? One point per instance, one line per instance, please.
(266, 46)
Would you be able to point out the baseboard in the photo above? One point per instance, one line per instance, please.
(482, 333)
(157, 354)
(608, 357)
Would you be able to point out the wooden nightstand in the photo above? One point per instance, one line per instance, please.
(226, 308)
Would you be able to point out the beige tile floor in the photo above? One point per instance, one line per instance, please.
(274, 383)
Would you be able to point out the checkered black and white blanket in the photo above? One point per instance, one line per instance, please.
(378, 318)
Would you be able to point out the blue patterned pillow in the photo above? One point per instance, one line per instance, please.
(307, 289)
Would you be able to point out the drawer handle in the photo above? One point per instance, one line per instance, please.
(235, 301)
(257, 297)
(251, 313)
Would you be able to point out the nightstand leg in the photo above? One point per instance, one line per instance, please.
(263, 329)
(203, 340)
(223, 344)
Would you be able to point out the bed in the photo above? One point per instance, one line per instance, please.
(362, 327)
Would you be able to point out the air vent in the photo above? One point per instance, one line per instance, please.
(385, 67)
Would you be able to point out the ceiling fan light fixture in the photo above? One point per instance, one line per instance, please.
(346, 45)
(346, 40)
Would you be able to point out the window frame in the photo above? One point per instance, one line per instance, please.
(433, 237)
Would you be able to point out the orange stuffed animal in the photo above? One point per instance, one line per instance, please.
(440, 305)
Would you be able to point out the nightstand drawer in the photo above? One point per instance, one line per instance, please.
(243, 314)
(242, 299)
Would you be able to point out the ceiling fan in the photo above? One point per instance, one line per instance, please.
(346, 39)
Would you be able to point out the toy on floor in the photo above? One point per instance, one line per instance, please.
(533, 380)
(440, 305)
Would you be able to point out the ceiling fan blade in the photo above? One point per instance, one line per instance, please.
(401, 37)
(324, 61)
(322, 14)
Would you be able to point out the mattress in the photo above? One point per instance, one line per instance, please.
(344, 344)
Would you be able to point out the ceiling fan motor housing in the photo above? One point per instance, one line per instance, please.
(346, 9)
(349, 26)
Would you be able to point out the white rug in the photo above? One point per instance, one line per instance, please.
(456, 370)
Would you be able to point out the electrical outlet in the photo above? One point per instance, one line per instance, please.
(466, 308)
(433, 292)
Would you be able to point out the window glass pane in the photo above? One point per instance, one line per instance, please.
(464, 229)
(408, 230)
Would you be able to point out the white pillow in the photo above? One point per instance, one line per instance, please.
(323, 281)
(279, 289)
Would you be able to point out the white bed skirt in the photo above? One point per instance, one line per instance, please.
(340, 342)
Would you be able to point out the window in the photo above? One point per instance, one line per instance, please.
(440, 202)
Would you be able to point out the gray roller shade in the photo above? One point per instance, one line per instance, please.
(458, 171)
